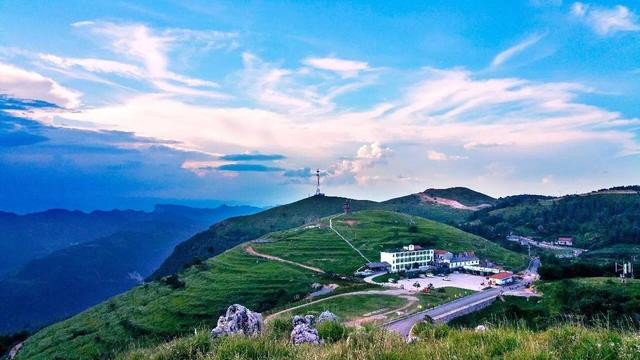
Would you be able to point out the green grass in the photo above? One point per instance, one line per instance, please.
(375, 231)
(151, 313)
(438, 343)
(593, 301)
(442, 295)
(350, 307)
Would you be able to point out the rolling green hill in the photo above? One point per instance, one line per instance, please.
(175, 305)
(231, 232)
(234, 231)
(597, 220)
(462, 195)
(371, 232)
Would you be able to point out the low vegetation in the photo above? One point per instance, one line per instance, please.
(371, 232)
(156, 311)
(434, 342)
(594, 302)
(350, 307)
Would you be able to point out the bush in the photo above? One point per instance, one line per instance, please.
(425, 330)
(332, 331)
(279, 328)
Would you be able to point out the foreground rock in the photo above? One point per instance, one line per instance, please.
(303, 331)
(238, 320)
(327, 316)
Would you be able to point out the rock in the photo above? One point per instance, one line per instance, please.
(238, 320)
(303, 331)
(327, 316)
(481, 328)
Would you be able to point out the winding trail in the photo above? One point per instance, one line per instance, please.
(251, 251)
(399, 293)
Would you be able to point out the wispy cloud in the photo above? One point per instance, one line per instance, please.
(435, 155)
(150, 49)
(507, 54)
(249, 167)
(252, 157)
(606, 21)
(21, 83)
(94, 65)
(346, 68)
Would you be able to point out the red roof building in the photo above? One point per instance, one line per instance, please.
(501, 278)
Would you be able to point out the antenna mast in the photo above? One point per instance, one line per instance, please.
(318, 192)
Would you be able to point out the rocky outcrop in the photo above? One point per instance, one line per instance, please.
(238, 320)
(303, 331)
(327, 316)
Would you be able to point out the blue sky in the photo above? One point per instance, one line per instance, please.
(196, 101)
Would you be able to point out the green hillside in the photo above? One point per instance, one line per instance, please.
(597, 220)
(433, 342)
(593, 301)
(156, 311)
(234, 231)
(371, 232)
(176, 305)
(462, 195)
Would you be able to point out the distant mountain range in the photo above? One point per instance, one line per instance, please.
(69, 260)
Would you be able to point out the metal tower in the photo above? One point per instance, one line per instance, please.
(318, 183)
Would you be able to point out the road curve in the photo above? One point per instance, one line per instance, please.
(403, 326)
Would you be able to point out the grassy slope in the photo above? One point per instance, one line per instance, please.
(438, 343)
(374, 231)
(350, 307)
(462, 195)
(234, 231)
(591, 300)
(150, 313)
(592, 219)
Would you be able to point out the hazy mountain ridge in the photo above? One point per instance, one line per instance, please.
(71, 279)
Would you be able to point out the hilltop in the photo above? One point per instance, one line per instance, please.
(175, 305)
(233, 231)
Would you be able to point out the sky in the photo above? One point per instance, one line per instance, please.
(119, 104)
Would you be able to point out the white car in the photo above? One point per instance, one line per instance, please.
(446, 278)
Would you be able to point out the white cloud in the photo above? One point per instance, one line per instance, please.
(367, 156)
(507, 54)
(151, 48)
(346, 68)
(21, 83)
(94, 65)
(606, 21)
(546, 180)
(435, 155)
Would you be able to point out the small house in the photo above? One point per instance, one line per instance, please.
(501, 278)
(565, 240)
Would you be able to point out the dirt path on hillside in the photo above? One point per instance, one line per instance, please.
(400, 293)
(365, 319)
(251, 251)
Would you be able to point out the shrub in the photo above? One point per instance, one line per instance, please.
(332, 331)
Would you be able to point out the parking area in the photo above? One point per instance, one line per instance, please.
(463, 281)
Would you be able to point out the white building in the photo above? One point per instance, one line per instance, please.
(501, 278)
(464, 259)
(409, 257)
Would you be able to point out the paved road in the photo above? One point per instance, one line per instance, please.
(403, 326)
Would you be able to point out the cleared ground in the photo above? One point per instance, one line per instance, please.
(463, 281)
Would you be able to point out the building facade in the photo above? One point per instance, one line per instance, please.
(464, 259)
(406, 258)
